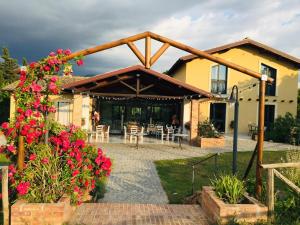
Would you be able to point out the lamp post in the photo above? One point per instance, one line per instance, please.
(234, 97)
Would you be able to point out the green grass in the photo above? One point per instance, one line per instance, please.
(176, 175)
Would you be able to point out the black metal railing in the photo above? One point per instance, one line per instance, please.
(194, 166)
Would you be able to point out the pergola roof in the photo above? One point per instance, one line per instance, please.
(136, 81)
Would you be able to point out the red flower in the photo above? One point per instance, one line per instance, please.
(32, 65)
(47, 68)
(86, 183)
(79, 143)
(75, 173)
(59, 51)
(5, 125)
(67, 52)
(45, 160)
(32, 157)
(28, 112)
(23, 187)
(35, 87)
(53, 88)
(79, 62)
(106, 164)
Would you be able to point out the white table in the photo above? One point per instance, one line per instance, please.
(180, 137)
(138, 135)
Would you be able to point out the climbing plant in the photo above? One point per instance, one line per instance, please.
(55, 163)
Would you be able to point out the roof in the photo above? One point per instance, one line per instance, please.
(63, 79)
(244, 42)
(109, 81)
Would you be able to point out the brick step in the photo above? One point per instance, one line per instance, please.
(135, 214)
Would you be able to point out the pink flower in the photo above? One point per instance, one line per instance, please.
(54, 79)
(75, 173)
(80, 143)
(5, 125)
(32, 157)
(23, 187)
(59, 51)
(52, 54)
(79, 62)
(47, 68)
(45, 160)
(76, 189)
(11, 148)
(28, 112)
(35, 87)
(53, 88)
(67, 52)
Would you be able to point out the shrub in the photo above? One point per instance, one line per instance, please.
(292, 174)
(282, 129)
(229, 188)
(206, 129)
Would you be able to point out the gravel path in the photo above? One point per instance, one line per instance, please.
(134, 178)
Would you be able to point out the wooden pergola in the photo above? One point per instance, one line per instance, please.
(148, 60)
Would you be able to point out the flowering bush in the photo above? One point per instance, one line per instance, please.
(66, 164)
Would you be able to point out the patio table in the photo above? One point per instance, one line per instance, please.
(138, 135)
(180, 137)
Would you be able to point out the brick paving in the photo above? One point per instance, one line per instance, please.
(138, 214)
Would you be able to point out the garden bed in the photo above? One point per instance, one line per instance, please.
(41, 213)
(211, 142)
(218, 211)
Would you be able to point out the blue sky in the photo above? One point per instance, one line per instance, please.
(33, 28)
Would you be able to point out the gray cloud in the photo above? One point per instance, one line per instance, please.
(33, 28)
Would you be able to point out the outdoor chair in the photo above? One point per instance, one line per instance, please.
(125, 132)
(99, 132)
(106, 133)
(159, 131)
(169, 134)
(133, 130)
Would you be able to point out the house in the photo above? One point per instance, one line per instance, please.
(281, 97)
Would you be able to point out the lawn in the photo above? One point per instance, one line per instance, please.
(176, 175)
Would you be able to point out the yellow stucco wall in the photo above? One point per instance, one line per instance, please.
(198, 74)
(75, 107)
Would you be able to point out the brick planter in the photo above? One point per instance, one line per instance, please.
(219, 212)
(41, 213)
(211, 142)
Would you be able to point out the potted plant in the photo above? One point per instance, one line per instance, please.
(208, 136)
(227, 198)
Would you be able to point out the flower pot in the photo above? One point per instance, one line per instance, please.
(211, 142)
(58, 213)
(220, 212)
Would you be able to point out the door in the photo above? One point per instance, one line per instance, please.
(218, 115)
(269, 116)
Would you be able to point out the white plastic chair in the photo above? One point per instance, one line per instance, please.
(99, 132)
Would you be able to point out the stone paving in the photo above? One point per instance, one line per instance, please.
(134, 178)
(138, 214)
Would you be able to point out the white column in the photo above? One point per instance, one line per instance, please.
(86, 111)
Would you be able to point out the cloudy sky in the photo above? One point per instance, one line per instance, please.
(33, 28)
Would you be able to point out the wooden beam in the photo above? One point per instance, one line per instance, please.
(260, 137)
(134, 95)
(5, 200)
(147, 87)
(270, 192)
(137, 52)
(147, 52)
(207, 56)
(281, 165)
(159, 52)
(21, 153)
(287, 181)
(108, 45)
(129, 86)
(106, 83)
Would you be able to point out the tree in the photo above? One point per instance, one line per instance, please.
(8, 75)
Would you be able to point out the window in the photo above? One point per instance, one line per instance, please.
(219, 79)
(63, 112)
(271, 72)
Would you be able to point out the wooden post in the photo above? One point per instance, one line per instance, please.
(5, 202)
(260, 139)
(147, 52)
(136, 51)
(21, 153)
(270, 190)
(159, 52)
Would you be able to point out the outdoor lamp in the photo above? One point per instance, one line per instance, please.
(234, 98)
